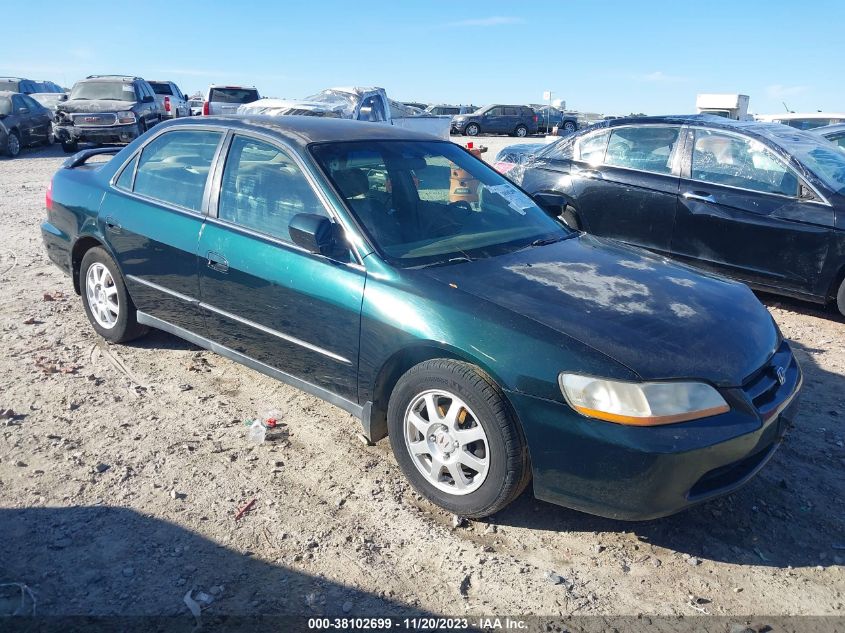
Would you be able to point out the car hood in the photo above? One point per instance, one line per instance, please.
(660, 319)
(94, 105)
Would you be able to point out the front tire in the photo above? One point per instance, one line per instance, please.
(840, 298)
(106, 301)
(13, 144)
(472, 129)
(569, 126)
(455, 438)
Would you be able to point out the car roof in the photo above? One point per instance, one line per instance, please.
(301, 131)
(774, 132)
(108, 78)
(828, 129)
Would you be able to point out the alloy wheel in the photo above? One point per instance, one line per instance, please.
(101, 294)
(13, 145)
(446, 442)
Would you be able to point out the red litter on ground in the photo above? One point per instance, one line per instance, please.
(245, 509)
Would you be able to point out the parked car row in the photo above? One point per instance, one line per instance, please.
(763, 203)
(23, 122)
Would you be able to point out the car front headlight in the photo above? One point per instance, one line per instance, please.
(640, 403)
(126, 117)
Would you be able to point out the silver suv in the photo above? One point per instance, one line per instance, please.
(226, 99)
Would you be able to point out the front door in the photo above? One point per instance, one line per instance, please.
(152, 219)
(744, 212)
(263, 296)
(625, 184)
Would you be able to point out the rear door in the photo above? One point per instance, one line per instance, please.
(746, 213)
(265, 297)
(152, 217)
(627, 189)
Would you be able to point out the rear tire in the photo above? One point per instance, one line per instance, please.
(472, 129)
(474, 437)
(521, 131)
(840, 298)
(569, 126)
(107, 303)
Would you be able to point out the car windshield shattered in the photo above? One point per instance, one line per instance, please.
(430, 203)
(817, 154)
(103, 90)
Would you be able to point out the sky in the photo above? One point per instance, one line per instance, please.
(606, 56)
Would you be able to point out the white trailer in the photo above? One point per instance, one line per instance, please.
(730, 106)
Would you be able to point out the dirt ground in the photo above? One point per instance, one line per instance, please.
(122, 468)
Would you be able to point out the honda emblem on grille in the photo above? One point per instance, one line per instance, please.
(780, 372)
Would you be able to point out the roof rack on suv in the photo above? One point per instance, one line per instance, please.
(115, 76)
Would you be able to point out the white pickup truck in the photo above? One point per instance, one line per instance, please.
(359, 104)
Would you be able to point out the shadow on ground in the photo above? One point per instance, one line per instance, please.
(108, 561)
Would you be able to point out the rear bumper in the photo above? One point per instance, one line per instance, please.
(58, 246)
(640, 473)
(106, 134)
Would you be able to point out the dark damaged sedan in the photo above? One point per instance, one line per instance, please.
(491, 343)
(761, 202)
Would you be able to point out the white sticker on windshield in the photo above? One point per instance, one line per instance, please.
(514, 197)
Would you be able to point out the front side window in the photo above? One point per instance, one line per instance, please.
(643, 148)
(263, 188)
(174, 167)
(494, 112)
(740, 162)
(591, 149)
(426, 202)
(32, 104)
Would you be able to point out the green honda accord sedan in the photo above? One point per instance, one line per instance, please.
(405, 281)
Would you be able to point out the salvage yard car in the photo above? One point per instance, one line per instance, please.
(761, 202)
(106, 109)
(23, 122)
(487, 340)
(514, 120)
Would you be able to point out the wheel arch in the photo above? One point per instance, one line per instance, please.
(82, 245)
(400, 362)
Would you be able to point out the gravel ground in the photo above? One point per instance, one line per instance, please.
(122, 468)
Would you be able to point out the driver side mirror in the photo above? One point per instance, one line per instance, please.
(63, 96)
(316, 234)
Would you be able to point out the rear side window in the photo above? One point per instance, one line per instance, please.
(838, 139)
(174, 167)
(740, 162)
(263, 188)
(643, 148)
(233, 95)
(592, 148)
(510, 112)
(125, 179)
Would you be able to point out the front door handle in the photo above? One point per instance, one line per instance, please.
(217, 262)
(590, 173)
(113, 225)
(700, 196)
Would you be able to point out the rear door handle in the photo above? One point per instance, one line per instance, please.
(113, 225)
(217, 262)
(701, 196)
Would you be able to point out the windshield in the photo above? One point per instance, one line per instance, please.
(428, 202)
(233, 95)
(5, 105)
(105, 90)
(48, 100)
(819, 155)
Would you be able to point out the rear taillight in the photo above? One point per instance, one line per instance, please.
(48, 197)
(205, 108)
(167, 104)
(536, 119)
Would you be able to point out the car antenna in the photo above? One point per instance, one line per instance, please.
(786, 106)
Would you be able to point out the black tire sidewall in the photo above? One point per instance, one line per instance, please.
(70, 147)
(8, 147)
(425, 377)
(840, 298)
(126, 327)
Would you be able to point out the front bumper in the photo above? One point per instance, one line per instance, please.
(105, 134)
(640, 473)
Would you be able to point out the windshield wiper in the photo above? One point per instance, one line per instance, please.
(446, 262)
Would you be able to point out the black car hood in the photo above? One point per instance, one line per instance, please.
(94, 105)
(658, 318)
